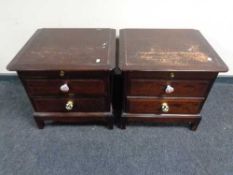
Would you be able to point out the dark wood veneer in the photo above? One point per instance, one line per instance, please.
(37, 87)
(83, 59)
(48, 104)
(153, 105)
(152, 87)
(151, 59)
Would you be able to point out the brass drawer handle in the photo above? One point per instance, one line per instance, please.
(169, 89)
(69, 105)
(165, 107)
(64, 88)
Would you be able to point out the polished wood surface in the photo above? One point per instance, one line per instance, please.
(90, 92)
(160, 75)
(151, 105)
(152, 59)
(182, 88)
(81, 59)
(61, 74)
(169, 119)
(79, 87)
(167, 50)
(67, 49)
(81, 104)
(74, 117)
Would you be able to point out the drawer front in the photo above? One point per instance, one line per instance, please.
(62, 74)
(59, 87)
(163, 106)
(71, 105)
(179, 88)
(172, 75)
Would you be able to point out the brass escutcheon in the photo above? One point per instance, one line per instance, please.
(172, 75)
(62, 73)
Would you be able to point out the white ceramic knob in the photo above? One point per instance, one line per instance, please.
(64, 88)
(169, 89)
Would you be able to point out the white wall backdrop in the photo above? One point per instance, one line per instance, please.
(20, 18)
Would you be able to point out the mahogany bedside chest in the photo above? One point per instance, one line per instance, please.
(67, 74)
(167, 75)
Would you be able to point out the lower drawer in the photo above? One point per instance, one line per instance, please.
(161, 106)
(71, 104)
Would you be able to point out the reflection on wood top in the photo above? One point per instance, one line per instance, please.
(167, 50)
(67, 49)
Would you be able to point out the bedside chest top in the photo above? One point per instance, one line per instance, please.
(167, 50)
(67, 49)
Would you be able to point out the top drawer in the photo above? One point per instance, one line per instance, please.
(171, 75)
(63, 74)
(167, 88)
